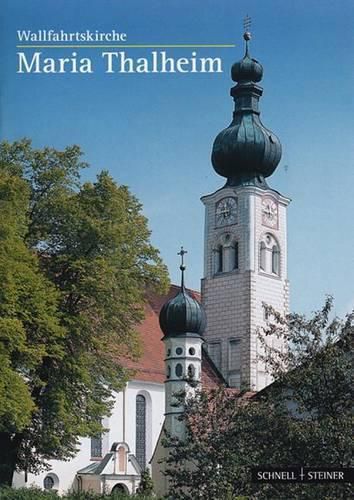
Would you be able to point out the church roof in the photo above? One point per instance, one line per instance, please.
(151, 366)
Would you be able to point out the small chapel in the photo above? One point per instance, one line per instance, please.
(211, 336)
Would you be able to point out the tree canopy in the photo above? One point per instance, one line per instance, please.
(75, 265)
(304, 418)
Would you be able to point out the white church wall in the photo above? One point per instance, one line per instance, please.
(155, 405)
(121, 428)
(65, 471)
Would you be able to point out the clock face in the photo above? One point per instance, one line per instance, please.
(269, 212)
(226, 211)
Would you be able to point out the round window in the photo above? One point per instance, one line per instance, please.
(48, 483)
(191, 351)
(179, 370)
(179, 350)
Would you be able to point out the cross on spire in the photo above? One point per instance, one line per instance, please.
(182, 267)
(247, 21)
(182, 253)
(247, 34)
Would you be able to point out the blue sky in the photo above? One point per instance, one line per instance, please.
(154, 132)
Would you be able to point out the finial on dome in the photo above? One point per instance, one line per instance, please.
(247, 34)
(182, 267)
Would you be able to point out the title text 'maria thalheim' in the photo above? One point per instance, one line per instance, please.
(118, 62)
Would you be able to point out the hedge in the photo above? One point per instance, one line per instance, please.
(37, 494)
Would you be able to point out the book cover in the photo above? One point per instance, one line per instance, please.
(143, 88)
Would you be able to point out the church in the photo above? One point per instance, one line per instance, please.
(211, 336)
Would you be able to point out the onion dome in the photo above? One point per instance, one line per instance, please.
(182, 315)
(246, 152)
(248, 69)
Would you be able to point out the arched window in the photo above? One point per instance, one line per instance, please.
(275, 260)
(140, 448)
(179, 370)
(262, 256)
(51, 482)
(220, 259)
(269, 255)
(96, 445)
(235, 255)
(48, 483)
(119, 489)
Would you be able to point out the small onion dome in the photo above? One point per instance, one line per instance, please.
(182, 315)
(248, 69)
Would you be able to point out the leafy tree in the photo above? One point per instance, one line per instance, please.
(146, 485)
(76, 262)
(303, 418)
(30, 329)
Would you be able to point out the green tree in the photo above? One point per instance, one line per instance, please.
(30, 330)
(146, 485)
(77, 262)
(303, 418)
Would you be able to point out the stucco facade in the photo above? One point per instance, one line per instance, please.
(233, 296)
(121, 428)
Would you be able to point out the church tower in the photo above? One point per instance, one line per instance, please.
(245, 248)
(182, 320)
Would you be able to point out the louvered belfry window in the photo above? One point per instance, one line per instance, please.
(140, 452)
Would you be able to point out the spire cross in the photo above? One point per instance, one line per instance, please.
(182, 253)
(247, 35)
(182, 266)
(247, 23)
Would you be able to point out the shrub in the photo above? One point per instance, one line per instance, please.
(27, 494)
(146, 486)
(7, 493)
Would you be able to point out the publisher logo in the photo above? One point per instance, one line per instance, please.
(302, 474)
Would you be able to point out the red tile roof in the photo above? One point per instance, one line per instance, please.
(151, 367)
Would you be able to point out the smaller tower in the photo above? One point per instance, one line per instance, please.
(182, 320)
